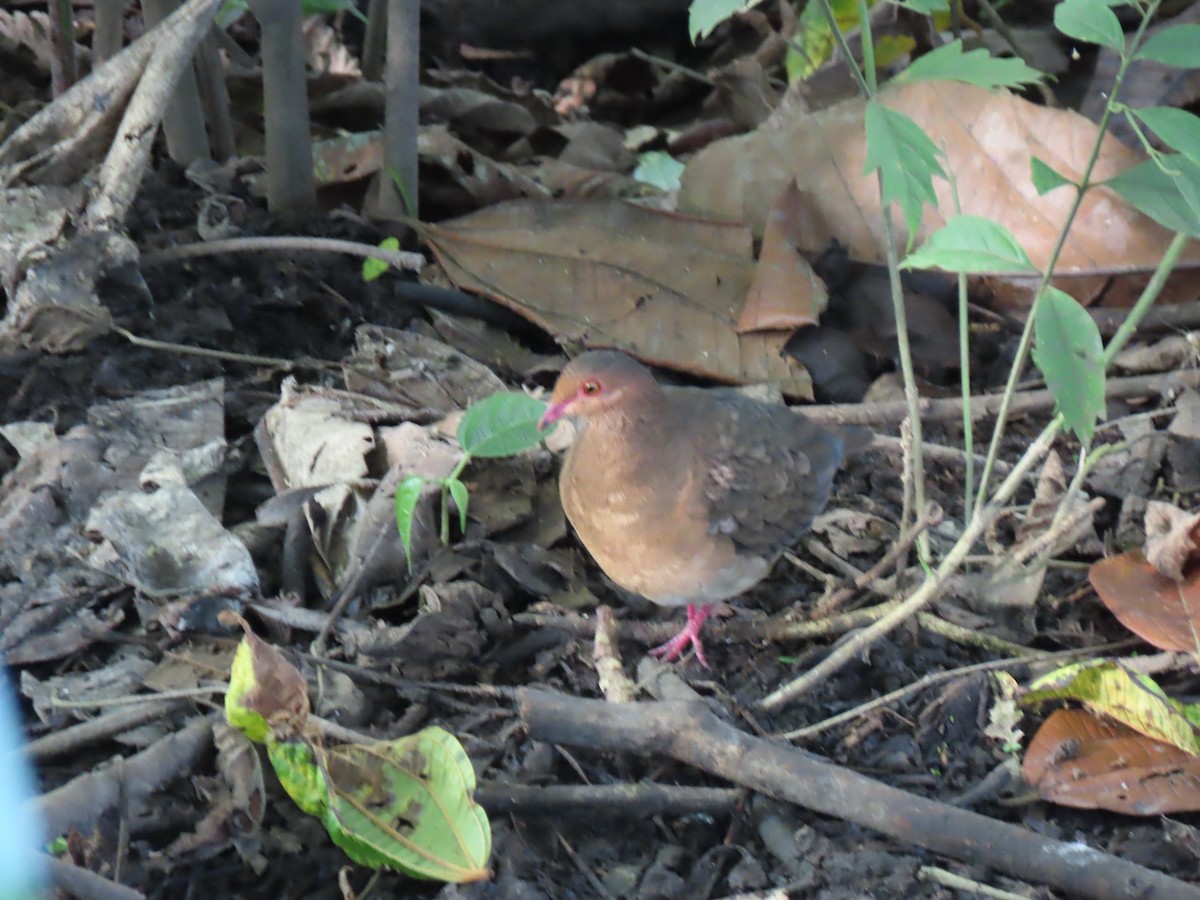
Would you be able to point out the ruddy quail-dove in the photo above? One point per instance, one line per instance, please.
(683, 495)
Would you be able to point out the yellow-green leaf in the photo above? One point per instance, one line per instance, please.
(298, 766)
(1131, 698)
(267, 694)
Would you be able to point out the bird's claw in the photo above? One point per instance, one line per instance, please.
(672, 649)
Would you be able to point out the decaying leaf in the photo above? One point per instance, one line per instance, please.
(267, 698)
(1114, 692)
(404, 804)
(1172, 539)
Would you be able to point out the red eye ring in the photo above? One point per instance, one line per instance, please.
(591, 387)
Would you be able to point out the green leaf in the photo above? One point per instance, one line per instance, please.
(407, 804)
(659, 169)
(407, 494)
(458, 491)
(1044, 178)
(925, 7)
(1167, 190)
(1174, 46)
(501, 425)
(971, 244)
(372, 268)
(978, 67)
(1177, 128)
(705, 15)
(299, 770)
(906, 158)
(1069, 352)
(1091, 21)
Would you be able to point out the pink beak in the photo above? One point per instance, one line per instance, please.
(553, 413)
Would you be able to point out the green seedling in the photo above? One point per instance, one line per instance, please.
(501, 425)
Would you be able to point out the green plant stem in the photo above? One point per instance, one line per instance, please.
(1026, 341)
(911, 396)
(445, 485)
(868, 47)
(869, 84)
(1149, 294)
(964, 365)
(840, 39)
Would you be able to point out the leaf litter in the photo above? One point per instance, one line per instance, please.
(75, 586)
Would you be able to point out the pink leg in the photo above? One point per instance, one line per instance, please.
(689, 637)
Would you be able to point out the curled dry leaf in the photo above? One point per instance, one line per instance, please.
(1159, 610)
(786, 293)
(1078, 760)
(1172, 539)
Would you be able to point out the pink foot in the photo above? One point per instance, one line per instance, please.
(689, 637)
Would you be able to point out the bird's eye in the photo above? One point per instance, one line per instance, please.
(591, 387)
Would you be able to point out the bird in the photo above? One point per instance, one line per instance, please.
(685, 495)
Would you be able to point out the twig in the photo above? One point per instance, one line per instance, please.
(615, 685)
(931, 516)
(401, 259)
(224, 355)
(948, 879)
(626, 801)
(983, 405)
(672, 67)
(937, 452)
(934, 679)
(86, 734)
(590, 876)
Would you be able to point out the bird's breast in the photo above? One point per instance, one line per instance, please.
(651, 537)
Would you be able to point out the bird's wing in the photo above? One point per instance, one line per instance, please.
(768, 471)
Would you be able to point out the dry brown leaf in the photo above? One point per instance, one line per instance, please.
(1161, 611)
(786, 293)
(1078, 760)
(664, 287)
(988, 138)
(1172, 538)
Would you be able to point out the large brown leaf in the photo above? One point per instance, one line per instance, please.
(1078, 760)
(988, 138)
(667, 288)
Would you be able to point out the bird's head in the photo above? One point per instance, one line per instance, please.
(597, 382)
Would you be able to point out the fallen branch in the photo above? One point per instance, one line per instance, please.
(690, 733)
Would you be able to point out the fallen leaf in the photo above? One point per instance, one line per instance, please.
(664, 287)
(988, 137)
(1172, 538)
(1078, 760)
(1159, 610)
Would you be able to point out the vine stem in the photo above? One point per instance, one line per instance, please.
(1026, 342)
